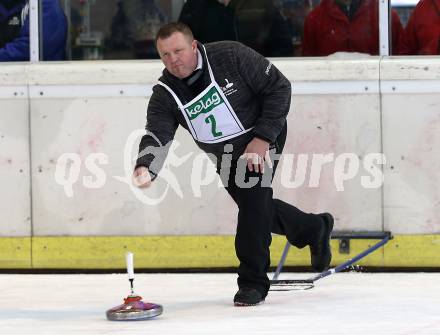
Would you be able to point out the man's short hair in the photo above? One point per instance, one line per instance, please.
(174, 27)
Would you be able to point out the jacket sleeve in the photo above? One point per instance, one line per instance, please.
(161, 127)
(54, 31)
(270, 87)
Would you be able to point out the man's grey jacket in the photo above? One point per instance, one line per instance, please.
(260, 96)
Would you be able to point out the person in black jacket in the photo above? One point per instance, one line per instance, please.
(234, 102)
(255, 23)
(209, 20)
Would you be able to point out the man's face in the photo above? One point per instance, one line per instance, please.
(178, 54)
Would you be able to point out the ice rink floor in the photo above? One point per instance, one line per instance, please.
(345, 303)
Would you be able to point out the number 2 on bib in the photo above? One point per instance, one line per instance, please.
(211, 119)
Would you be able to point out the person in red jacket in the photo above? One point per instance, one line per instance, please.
(346, 25)
(422, 34)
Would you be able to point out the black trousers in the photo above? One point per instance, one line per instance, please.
(260, 215)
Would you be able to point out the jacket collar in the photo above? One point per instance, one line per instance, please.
(333, 9)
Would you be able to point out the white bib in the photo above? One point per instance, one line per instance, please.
(209, 115)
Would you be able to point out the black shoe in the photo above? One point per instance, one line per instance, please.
(248, 297)
(320, 251)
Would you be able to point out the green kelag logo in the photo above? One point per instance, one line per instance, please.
(209, 101)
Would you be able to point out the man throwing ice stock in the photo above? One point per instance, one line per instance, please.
(234, 103)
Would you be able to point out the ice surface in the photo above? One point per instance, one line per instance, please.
(344, 303)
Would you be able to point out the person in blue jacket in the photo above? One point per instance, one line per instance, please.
(14, 30)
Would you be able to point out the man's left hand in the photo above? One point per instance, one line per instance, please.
(256, 153)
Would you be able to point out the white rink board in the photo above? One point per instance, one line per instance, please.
(89, 125)
(347, 303)
(411, 143)
(15, 200)
(412, 187)
(70, 113)
(338, 125)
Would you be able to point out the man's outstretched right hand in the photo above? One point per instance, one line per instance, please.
(141, 177)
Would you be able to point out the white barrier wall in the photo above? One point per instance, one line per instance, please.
(335, 111)
(411, 138)
(15, 199)
(85, 112)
